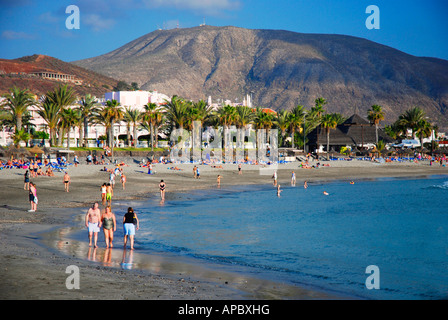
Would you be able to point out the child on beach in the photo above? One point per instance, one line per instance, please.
(109, 226)
(33, 197)
(27, 180)
(123, 180)
(218, 180)
(109, 194)
(103, 193)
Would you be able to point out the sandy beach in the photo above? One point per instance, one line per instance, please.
(32, 269)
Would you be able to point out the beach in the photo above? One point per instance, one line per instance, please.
(30, 269)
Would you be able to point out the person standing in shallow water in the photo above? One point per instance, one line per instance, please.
(130, 224)
(93, 223)
(162, 187)
(109, 226)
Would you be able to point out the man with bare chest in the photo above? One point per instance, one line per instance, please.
(93, 223)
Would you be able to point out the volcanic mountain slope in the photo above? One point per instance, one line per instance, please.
(17, 72)
(280, 69)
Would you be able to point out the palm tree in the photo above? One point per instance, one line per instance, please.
(149, 117)
(17, 103)
(20, 135)
(319, 106)
(244, 116)
(87, 108)
(176, 111)
(69, 118)
(132, 116)
(296, 120)
(114, 113)
(375, 115)
(328, 122)
(411, 118)
(423, 130)
(50, 112)
(62, 97)
(282, 121)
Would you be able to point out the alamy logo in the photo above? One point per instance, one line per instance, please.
(72, 281)
(73, 20)
(373, 21)
(373, 281)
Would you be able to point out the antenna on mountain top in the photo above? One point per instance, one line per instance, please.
(203, 24)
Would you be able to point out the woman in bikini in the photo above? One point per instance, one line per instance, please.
(109, 226)
(162, 187)
(123, 180)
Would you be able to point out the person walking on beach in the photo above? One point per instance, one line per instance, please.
(293, 178)
(93, 223)
(305, 184)
(103, 193)
(109, 226)
(195, 172)
(123, 180)
(109, 194)
(274, 176)
(112, 179)
(239, 169)
(218, 180)
(198, 176)
(66, 180)
(26, 186)
(130, 224)
(33, 197)
(162, 187)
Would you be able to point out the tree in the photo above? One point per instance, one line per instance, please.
(282, 121)
(62, 97)
(132, 116)
(328, 122)
(87, 108)
(296, 120)
(114, 113)
(69, 118)
(49, 111)
(20, 135)
(17, 103)
(411, 118)
(375, 115)
(176, 111)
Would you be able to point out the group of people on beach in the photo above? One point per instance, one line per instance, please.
(95, 220)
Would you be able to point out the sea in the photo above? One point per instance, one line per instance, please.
(382, 238)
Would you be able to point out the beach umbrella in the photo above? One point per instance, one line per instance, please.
(35, 150)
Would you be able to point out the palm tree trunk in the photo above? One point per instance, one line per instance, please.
(19, 122)
(376, 132)
(152, 136)
(328, 142)
(86, 130)
(135, 135)
(128, 129)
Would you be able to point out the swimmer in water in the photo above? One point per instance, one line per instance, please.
(305, 184)
(326, 193)
(278, 190)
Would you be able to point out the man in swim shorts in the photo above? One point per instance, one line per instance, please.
(93, 223)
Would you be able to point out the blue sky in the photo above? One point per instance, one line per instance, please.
(27, 27)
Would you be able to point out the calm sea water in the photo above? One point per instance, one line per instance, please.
(307, 238)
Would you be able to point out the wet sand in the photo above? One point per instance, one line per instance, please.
(35, 249)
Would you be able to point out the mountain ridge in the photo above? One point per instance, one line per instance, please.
(281, 69)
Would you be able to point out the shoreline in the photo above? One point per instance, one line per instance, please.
(32, 271)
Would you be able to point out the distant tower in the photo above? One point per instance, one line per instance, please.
(203, 23)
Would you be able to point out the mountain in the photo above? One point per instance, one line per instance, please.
(280, 69)
(25, 73)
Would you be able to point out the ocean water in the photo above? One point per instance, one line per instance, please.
(310, 239)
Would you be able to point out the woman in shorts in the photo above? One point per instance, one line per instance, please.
(130, 224)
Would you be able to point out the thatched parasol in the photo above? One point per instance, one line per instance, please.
(35, 150)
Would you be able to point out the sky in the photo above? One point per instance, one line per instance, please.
(29, 27)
